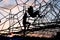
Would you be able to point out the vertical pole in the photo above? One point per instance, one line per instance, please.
(9, 21)
(24, 27)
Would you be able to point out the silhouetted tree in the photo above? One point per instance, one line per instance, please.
(33, 14)
(30, 11)
(25, 22)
